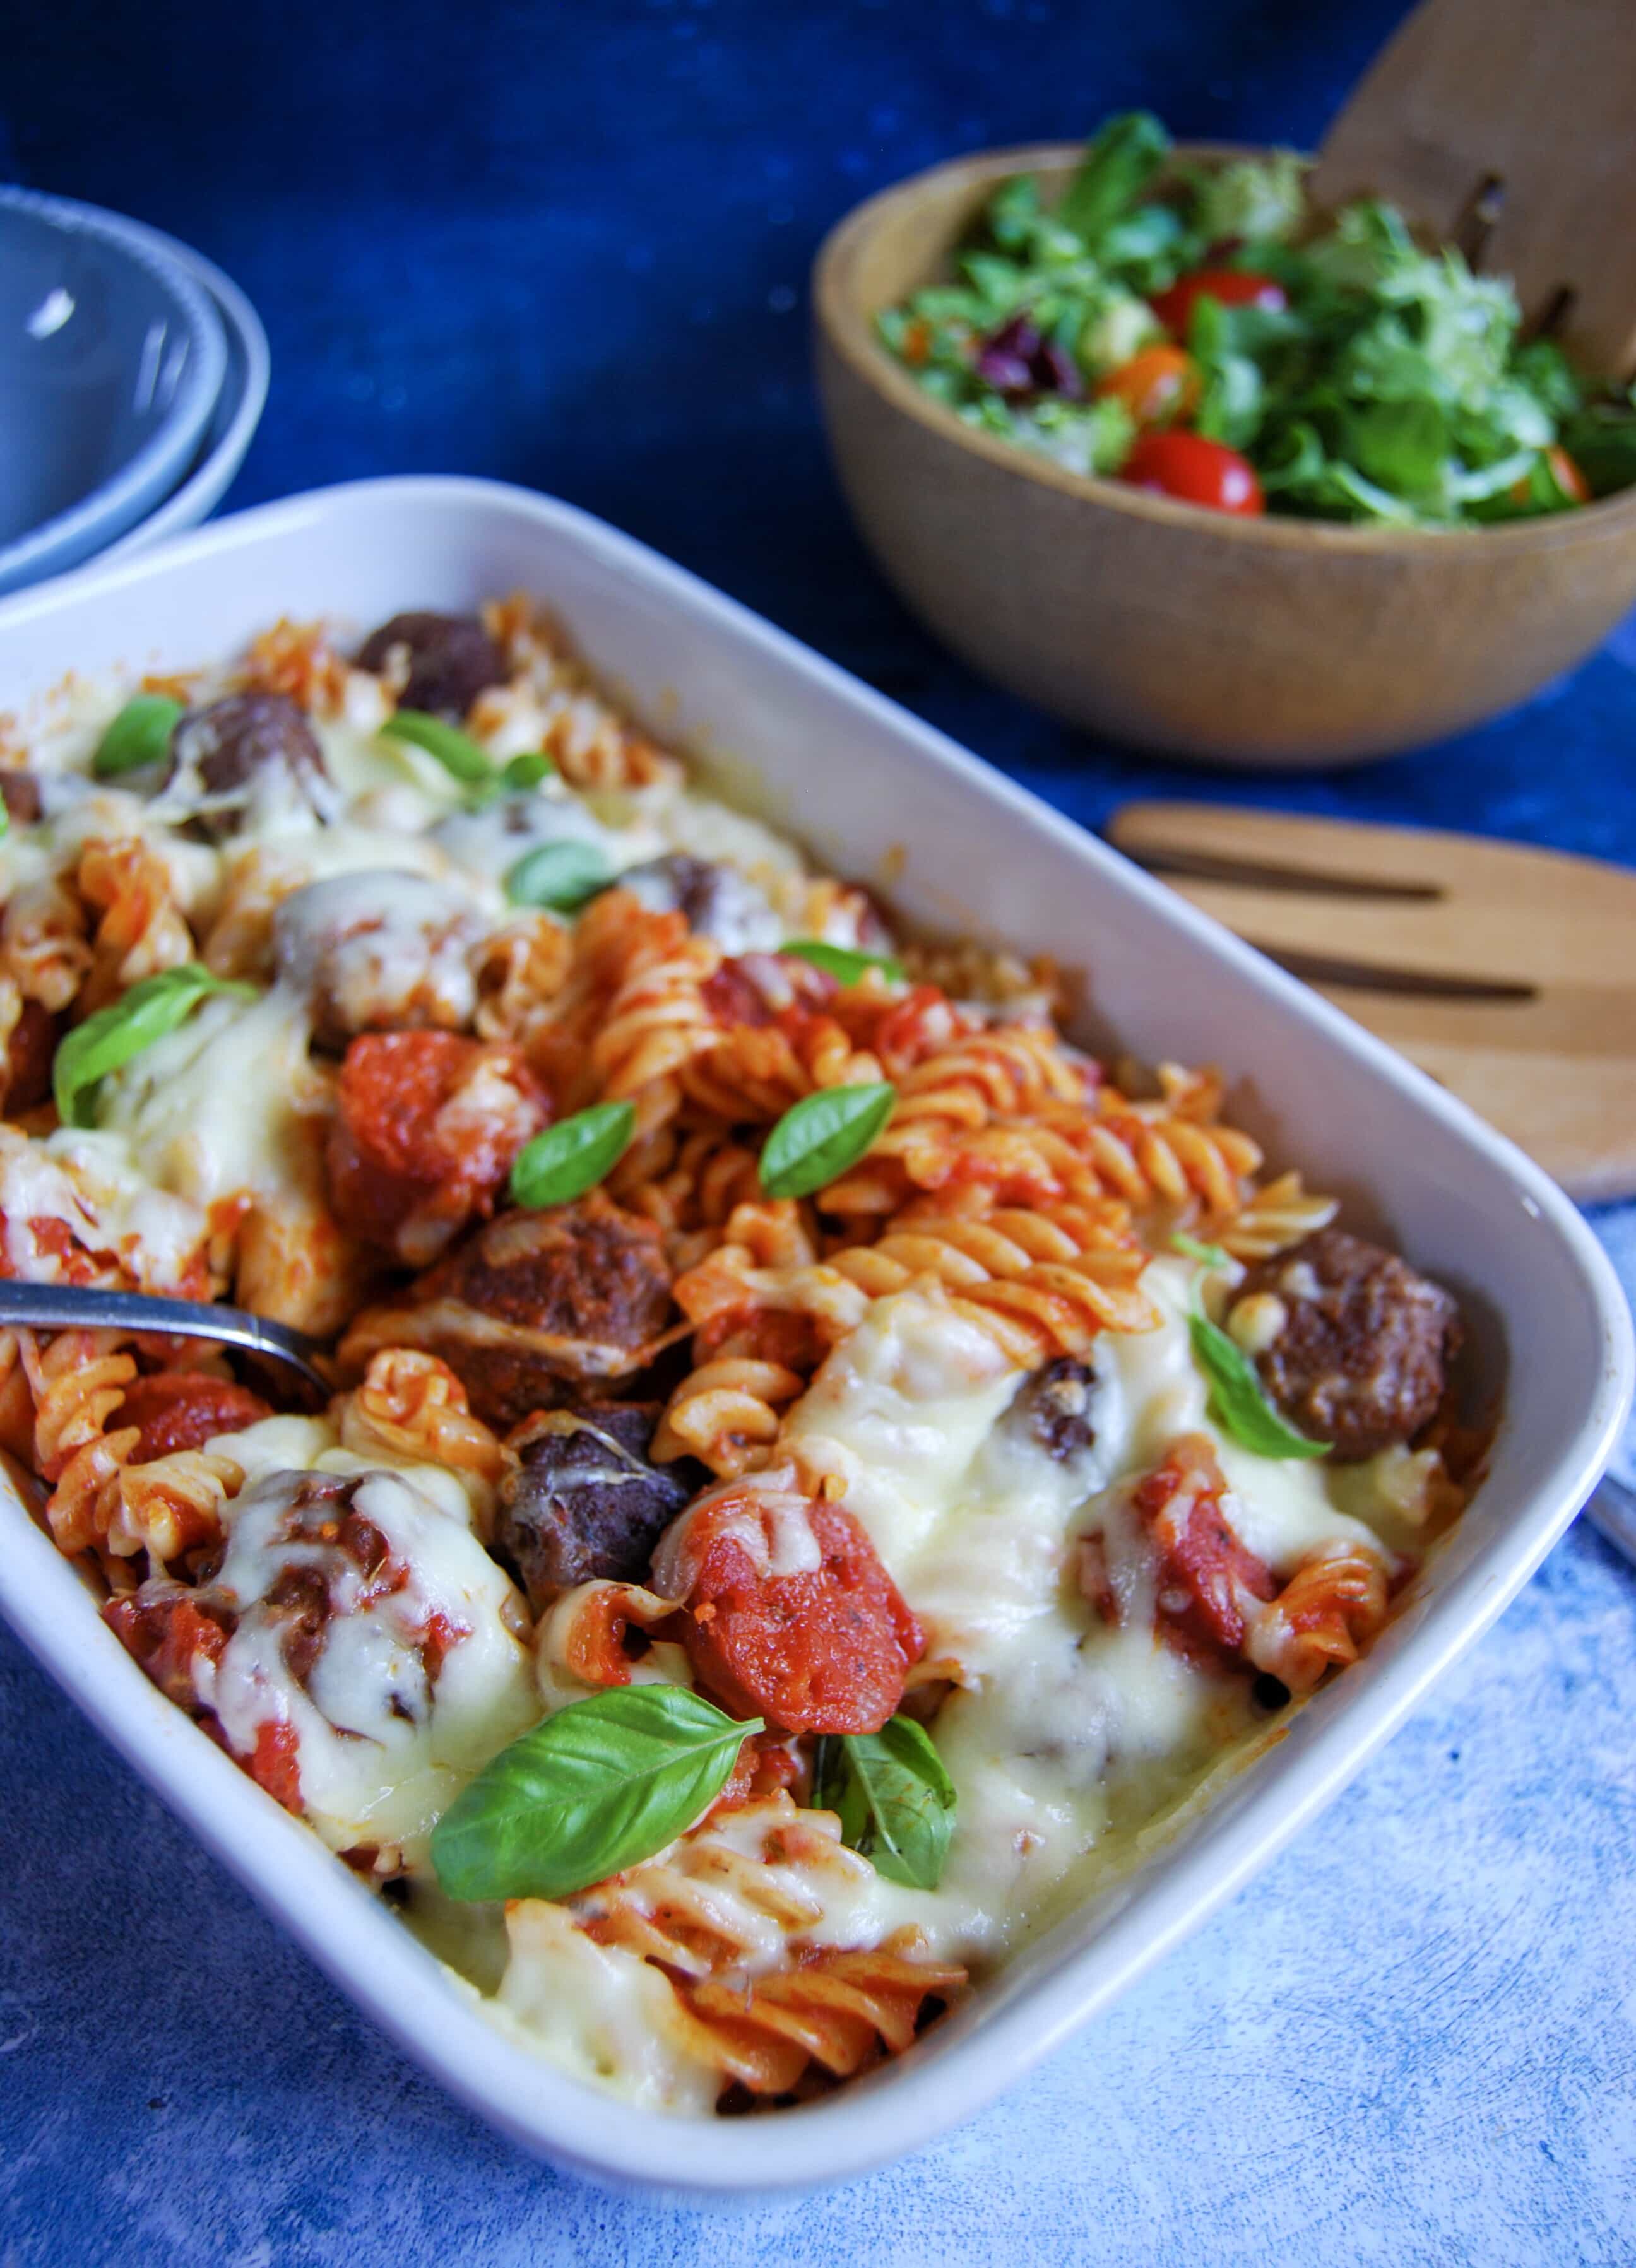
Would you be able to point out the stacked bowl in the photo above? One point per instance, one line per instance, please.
(132, 375)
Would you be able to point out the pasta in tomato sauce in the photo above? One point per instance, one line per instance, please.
(822, 1469)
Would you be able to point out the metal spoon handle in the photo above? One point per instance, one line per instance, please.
(1613, 1509)
(81, 1307)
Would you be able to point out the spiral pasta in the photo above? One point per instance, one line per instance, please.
(1278, 1216)
(1325, 1617)
(412, 1408)
(139, 928)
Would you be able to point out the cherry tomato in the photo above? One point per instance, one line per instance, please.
(1157, 385)
(1234, 287)
(184, 1408)
(825, 1652)
(1566, 474)
(1194, 471)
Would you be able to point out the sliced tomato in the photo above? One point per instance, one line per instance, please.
(1234, 287)
(184, 1408)
(1158, 386)
(824, 1651)
(1207, 1576)
(1193, 470)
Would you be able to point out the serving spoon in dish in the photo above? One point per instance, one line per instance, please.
(80, 1307)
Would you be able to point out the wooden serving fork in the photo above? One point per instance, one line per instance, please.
(1507, 973)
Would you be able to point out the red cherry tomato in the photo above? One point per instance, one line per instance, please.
(1234, 287)
(1156, 386)
(1194, 471)
(1566, 474)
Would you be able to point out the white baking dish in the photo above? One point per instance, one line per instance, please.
(882, 797)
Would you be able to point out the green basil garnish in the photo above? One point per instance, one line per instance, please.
(566, 1160)
(526, 771)
(147, 1012)
(839, 962)
(893, 1798)
(821, 1136)
(1208, 1255)
(602, 1785)
(1238, 1402)
(138, 736)
(458, 755)
(561, 875)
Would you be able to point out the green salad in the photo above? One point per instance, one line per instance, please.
(1199, 331)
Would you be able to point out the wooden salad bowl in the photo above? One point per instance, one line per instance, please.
(1263, 641)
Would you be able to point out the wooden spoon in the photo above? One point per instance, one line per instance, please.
(1503, 126)
(1507, 973)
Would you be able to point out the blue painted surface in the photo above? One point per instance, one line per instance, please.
(569, 246)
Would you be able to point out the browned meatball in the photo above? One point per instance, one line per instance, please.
(585, 1502)
(19, 792)
(534, 1309)
(1054, 1408)
(1359, 1355)
(248, 751)
(449, 659)
(30, 1053)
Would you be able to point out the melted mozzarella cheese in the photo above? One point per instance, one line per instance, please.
(89, 1183)
(217, 1107)
(382, 1748)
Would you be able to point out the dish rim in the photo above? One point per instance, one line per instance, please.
(215, 470)
(847, 331)
(168, 448)
(366, 1950)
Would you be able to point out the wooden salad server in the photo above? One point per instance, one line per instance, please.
(1505, 127)
(1507, 973)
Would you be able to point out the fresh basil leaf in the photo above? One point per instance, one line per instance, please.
(113, 1035)
(1121, 160)
(458, 755)
(893, 1798)
(821, 1136)
(138, 736)
(526, 771)
(566, 1160)
(561, 875)
(1208, 1255)
(839, 962)
(1237, 1401)
(600, 1785)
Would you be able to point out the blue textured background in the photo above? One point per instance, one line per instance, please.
(569, 248)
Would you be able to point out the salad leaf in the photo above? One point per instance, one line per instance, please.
(601, 1785)
(113, 1035)
(893, 1795)
(821, 1136)
(1253, 198)
(1237, 1401)
(1121, 159)
(562, 1161)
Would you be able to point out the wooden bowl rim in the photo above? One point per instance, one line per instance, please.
(849, 332)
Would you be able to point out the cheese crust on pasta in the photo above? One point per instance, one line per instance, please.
(1034, 1440)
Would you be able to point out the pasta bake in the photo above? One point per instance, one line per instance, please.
(822, 1469)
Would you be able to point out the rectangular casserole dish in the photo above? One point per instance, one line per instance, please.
(882, 799)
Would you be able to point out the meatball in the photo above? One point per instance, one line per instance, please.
(534, 1309)
(1054, 1408)
(1359, 1342)
(717, 900)
(246, 755)
(425, 1129)
(30, 1052)
(377, 951)
(19, 792)
(448, 660)
(585, 1501)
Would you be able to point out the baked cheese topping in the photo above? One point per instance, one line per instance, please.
(821, 1480)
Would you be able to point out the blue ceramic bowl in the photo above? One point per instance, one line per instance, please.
(112, 357)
